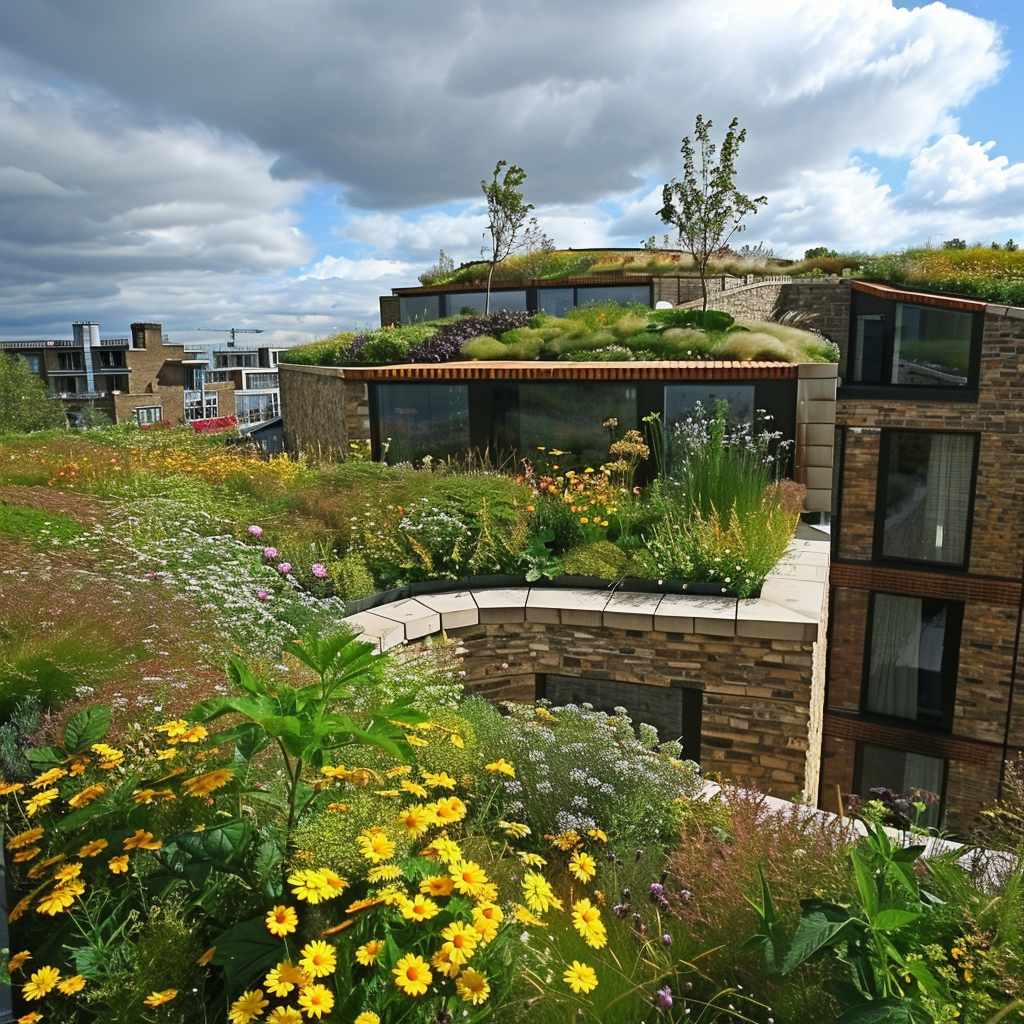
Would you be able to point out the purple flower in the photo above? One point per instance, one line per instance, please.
(262, 595)
(621, 910)
(256, 531)
(284, 568)
(666, 940)
(657, 891)
(270, 552)
(318, 570)
(663, 998)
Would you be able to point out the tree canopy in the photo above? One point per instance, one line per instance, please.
(24, 404)
(706, 207)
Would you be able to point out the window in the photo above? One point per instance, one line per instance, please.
(70, 361)
(464, 302)
(914, 649)
(913, 775)
(675, 713)
(568, 417)
(211, 405)
(911, 345)
(34, 363)
(255, 408)
(67, 385)
(926, 487)
(418, 307)
(111, 360)
(149, 414)
(556, 301)
(256, 381)
(416, 420)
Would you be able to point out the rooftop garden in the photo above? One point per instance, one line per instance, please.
(216, 807)
(994, 273)
(606, 331)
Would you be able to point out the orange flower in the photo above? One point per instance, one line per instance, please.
(204, 785)
(282, 921)
(159, 998)
(142, 840)
(24, 839)
(118, 865)
(93, 847)
(87, 795)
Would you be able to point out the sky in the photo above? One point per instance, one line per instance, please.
(262, 165)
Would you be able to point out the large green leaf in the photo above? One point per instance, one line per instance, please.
(85, 728)
(246, 951)
(865, 883)
(819, 930)
(885, 1011)
(44, 757)
(240, 674)
(890, 920)
(248, 737)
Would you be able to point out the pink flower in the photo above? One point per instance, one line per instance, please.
(270, 552)
(262, 595)
(318, 570)
(284, 568)
(256, 531)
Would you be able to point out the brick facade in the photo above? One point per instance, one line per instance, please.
(990, 588)
(321, 410)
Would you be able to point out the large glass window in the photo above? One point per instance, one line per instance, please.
(416, 420)
(614, 293)
(925, 489)
(476, 302)
(149, 414)
(556, 301)
(907, 344)
(914, 650)
(418, 307)
(681, 410)
(913, 775)
(567, 417)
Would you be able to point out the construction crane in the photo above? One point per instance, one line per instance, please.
(230, 330)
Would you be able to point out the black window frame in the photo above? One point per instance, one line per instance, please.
(858, 773)
(950, 666)
(864, 304)
(881, 497)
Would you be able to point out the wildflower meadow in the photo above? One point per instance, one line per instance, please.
(219, 805)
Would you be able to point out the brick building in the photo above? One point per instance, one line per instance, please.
(140, 377)
(926, 576)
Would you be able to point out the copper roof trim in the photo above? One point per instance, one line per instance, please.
(888, 291)
(712, 369)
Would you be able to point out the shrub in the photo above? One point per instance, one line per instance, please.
(601, 558)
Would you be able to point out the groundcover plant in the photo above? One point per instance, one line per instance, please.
(218, 807)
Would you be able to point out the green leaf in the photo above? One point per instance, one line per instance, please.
(249, 739)
(816, 933)
(918, 970)
(882, 1011)
(87, 727)
(44, 757)
(890, 920)
(242, 677)
(865, 883)
(246, 951)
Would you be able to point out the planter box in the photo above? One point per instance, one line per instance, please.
(364, 604)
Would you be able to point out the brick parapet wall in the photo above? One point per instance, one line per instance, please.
(757, 691)
(826, 300)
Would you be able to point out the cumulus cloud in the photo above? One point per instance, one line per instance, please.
(156, 157)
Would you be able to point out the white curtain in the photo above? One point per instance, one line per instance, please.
(944, 526)
(895, 656)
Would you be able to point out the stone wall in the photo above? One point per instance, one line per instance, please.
(322, 411)
(827, 300)
(757, 664)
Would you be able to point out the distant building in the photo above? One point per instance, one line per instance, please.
(141, 377)
(252, 372)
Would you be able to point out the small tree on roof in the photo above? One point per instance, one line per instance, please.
(507, 213)
(706, 207)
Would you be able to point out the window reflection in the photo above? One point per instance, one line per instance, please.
(416, 420)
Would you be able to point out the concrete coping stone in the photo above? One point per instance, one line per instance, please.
(386, 632)
(817, 370)
(789, 608)
(457, 609)
(416, 618)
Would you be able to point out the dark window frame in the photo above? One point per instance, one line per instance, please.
(950, 666)
(872, 305)
(858, 773)
(881, 496)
